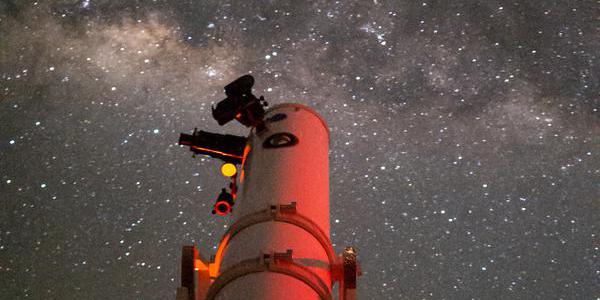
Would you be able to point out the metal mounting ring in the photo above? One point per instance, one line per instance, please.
(278, 213)
(270, 263)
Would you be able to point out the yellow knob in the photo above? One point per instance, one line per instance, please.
(228, 169)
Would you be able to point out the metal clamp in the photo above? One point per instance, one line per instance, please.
(344, 268)
(277, 213)
(282, 263)
(350, 269)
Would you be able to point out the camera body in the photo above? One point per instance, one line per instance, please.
(240, 104)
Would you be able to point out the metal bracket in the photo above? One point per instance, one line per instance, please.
(349, 271)
(344, 267)
(282, 263)
(276, 213)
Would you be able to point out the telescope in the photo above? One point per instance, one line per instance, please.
(277, 244)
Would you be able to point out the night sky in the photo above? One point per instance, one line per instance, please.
(465, 139)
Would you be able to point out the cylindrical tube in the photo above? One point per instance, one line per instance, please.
(287, 162)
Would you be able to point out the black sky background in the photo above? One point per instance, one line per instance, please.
(464, 139)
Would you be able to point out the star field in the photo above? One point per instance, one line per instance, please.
(465, 140)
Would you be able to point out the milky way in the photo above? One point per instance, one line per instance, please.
(465, 140)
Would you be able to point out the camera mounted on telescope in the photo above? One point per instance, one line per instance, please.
(241, 104)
